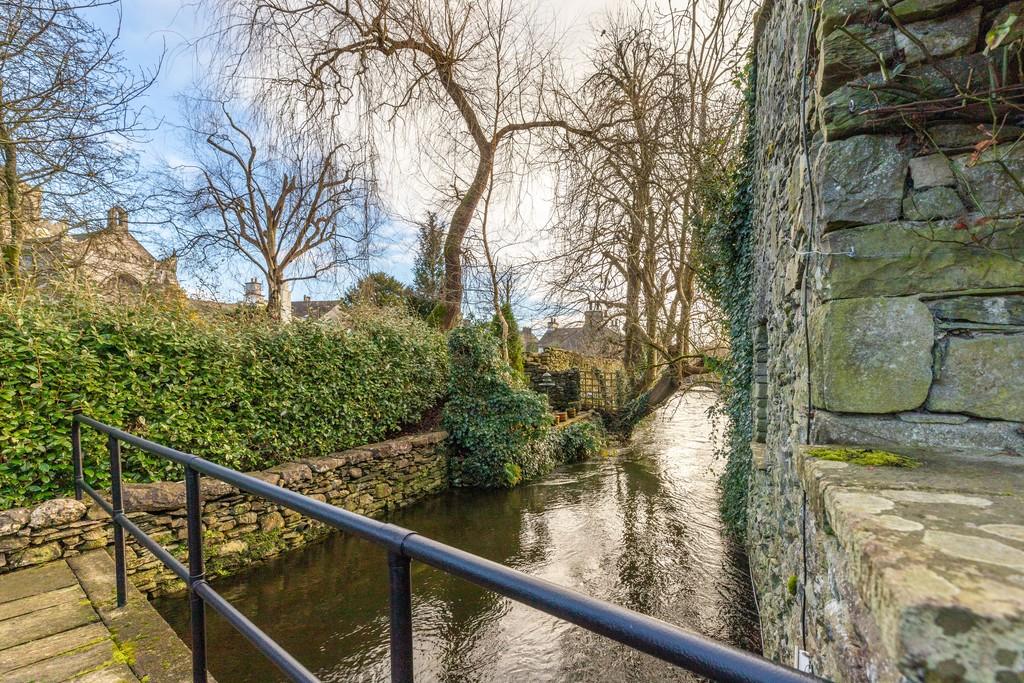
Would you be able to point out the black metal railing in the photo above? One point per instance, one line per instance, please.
(640, 632)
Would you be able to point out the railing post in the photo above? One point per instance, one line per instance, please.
(196, 573)
(117, 503)
(76, 452)
(401, 618)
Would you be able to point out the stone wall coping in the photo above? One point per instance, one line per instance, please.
(164, 496)
(936, 553)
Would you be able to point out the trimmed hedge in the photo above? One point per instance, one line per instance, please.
(243, 393)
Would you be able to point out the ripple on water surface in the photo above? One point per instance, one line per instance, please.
(640, 529)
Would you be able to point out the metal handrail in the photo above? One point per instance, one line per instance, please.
(652, 636)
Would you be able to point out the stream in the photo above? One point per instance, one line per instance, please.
(639, 528)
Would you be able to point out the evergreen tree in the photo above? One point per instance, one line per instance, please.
(428, 272)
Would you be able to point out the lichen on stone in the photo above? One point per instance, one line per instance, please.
(866, 457)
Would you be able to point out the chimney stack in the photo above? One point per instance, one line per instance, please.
(254, 293)
(552, 324)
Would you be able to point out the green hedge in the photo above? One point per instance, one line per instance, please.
(240, 392)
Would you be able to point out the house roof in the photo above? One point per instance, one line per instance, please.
(588, 341)
(313, 310)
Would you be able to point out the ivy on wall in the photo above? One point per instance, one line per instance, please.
(726, 272)
(243, 393)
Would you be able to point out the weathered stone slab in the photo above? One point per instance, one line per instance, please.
(65, 667)
(931, 170)
(916, 10)
(853, 108)
(955, 35)
(934, 555)
(871, 355)
(26, 654)
(27, 582)
(932, 204)
(851, 51)
(897, 259)
(32, 603)
(836, 13)
(862, 180)
(963, 137)
(987, 310)
(55, 512)
(992, 180)
(978, 437)
(983, 376)
(45, 622)
(158, 651)
(112, 674)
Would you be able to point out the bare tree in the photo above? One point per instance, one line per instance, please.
(626, 196)
(473, 73)
(67, 112)
(296, 208)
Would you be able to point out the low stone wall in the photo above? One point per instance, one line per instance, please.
(239, 528)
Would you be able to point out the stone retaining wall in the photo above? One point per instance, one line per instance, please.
(889, 237)
(239, 528)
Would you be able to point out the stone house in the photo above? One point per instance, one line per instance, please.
(111, 260)
(887, 313)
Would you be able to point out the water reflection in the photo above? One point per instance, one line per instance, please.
(640, 529)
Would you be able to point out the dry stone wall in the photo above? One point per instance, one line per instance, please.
(238, 528)
(889, 294)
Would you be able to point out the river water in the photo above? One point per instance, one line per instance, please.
(639, 528)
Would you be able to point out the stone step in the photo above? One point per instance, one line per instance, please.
(66, 667)
(26, 654)
(32, 603)
(26, 582)
(45, 622)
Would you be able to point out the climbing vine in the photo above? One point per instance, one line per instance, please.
(726, 272)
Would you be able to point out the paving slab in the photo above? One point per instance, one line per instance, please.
(45, 622)
(60, 643)
(67, 666)
(33, 603)
(114, 674)
(26, 582)
(155, 648)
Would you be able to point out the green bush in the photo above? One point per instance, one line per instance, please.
(243, 393)
(497, 428)
(579, 441)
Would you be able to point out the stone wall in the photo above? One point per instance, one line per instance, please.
(889, 295)
(584, 381)
(239, 528)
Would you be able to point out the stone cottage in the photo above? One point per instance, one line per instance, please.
(111, 259)
(888, 314)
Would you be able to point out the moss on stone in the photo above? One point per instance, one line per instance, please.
(866, 457)
(791, 585)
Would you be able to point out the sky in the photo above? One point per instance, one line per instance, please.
(173, 34)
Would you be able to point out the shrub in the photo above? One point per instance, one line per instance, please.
(496, 426)
(579, 441)
(240, 392)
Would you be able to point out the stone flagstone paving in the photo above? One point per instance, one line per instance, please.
(50, 631)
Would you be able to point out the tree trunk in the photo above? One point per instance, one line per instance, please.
(12, 199)
(451, 296)
(275, 292)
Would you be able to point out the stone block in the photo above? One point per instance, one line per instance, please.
(955, 35)
(992, 180)
(931, 170)
(974, 437)
(836, 13)
(932, 204)
(56, 512)
(37, 554)
(897, 259)
(851, 51)
(871, 355)
(862, 180)
(916, 10)
(964, 137)
(981, 376)
(272, 522)
(986, 310)
(12, 520)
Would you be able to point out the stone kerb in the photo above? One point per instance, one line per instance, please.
(238, 528)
